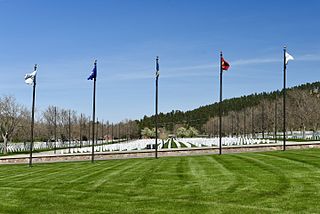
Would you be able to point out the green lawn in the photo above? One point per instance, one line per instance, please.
(183, 145)
(173, 144)
(270, 182)
(166, 144)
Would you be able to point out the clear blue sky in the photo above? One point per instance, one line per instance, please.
(65, 36)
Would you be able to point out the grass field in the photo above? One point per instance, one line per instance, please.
(281, 182)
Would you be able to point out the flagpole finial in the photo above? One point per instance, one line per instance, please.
(285, 47)
(95, 61)
(35, 66)
(220, 53)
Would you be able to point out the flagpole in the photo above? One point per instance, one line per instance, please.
(275, 120)
(32, 115)
(69, 130)
(284, 97)
(156, 118)
(93, 112)
(55, 130)
(220, 103)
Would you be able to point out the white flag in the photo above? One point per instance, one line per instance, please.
(29, 78)
(288, 57)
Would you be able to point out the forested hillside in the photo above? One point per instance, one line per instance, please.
(303, 103)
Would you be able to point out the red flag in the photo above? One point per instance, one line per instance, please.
(224, 64)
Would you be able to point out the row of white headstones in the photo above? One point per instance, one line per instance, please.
(147, 144)
(140, 144)
(180, 142)
(22, 147)
(45, 146)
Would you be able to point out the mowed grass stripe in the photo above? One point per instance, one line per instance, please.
(54, 174)
(281, 182)
(227, 179)
(302, 177)
(47, 171)
(236, 168)
(304, 159)
(43, 171)
(116, 174)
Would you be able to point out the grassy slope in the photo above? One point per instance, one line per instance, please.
(282, 182)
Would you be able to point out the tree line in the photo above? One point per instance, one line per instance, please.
(57, 124)
(255, 113)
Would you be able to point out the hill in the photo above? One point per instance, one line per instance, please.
(199, 117)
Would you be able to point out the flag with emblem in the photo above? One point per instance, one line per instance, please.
(224, 64)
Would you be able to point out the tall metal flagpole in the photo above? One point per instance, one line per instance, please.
(284, 98)
(93, 111)
(275, 120)
(156, 118)
(32, 116)
(55, 130)
(244, 123)
(69, 131)
(262, 119)
(220, 109)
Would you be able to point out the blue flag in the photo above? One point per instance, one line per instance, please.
(93, 74)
